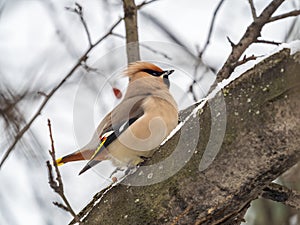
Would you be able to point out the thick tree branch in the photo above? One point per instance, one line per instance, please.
(261, 142)
(131, 27)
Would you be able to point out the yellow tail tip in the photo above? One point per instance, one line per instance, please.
(59, 162)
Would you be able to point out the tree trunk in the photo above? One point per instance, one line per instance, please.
(261, 142)
(131, 28)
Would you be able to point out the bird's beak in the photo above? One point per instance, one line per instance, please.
(167, 73)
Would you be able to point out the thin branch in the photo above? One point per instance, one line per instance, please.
(57, 184)
(253, 10)
(191, 87)
(107, 34)
(2, 7)
(211, 28)
(79, 62)
(156, 51)
(282, 194)
(191, 90)
(245, 60)
(61, 206)
(230, 42)
(291, 28)
(145, 3)
(249, 37)
(283, 16)
(146, 47)
(164, 28)
(42, 93)
(118, 35)
(78, 10)
(267, 42)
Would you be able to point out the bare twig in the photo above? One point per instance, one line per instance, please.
(282, 194)
(196, 78)
(107, 34)
(79, 62)
(191, 89)
(2, 6)
(60, 205)
(267, 42)
(250, 36)
(290, 30)
(78, 10)
(146, 47)
(57, 184)
(118, 35)
(253, 10)
(156, 51)
(293, 25)
(211, 28)
(132, 38)
(245, 60)
(145, 3)
(231, 42)
(164, 28)
(285, 15)
(42, 93)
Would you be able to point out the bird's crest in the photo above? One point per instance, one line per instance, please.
(139, 66)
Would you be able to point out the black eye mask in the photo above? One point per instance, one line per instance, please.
(165, 75)
(153, 72)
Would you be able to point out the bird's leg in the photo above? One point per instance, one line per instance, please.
(130, 170)
(145, 159)
(127, 171)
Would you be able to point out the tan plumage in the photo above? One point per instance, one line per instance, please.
(142, 120)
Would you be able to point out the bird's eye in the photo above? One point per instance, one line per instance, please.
(152, 72)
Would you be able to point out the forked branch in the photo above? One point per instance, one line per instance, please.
(57, 183)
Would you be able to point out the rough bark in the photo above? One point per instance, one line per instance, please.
(260, 143)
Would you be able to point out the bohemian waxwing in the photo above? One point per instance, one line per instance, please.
(136, 126)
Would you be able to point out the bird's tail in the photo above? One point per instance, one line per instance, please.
(76, 156)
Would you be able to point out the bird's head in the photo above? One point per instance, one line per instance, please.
(139, 69)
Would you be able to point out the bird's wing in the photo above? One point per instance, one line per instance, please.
(116, 123)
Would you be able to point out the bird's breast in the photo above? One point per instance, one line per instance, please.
(146, 133)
